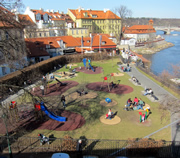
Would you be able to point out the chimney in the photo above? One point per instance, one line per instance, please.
(105, 10)
(41, 9)
(48, 10)
(52, 11)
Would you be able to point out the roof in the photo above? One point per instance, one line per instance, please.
(54, 15)
(139, 29)
(34, 50)
(95, 43)
(37, 46)
(25, 20)
(8, 19)
(94, 14)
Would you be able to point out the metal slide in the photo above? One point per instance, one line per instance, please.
(51, 115)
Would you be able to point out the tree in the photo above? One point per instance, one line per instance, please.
(12, 45)
(123, 12)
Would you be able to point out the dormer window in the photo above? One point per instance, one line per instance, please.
(94, 15)
(85, 14)
(88, 41)
(103, 42)
(50, 42)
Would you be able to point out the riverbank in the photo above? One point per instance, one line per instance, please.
(153, 49)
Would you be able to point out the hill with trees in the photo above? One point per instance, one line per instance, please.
(157, 21)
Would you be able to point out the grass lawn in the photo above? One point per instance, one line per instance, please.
(129, 127)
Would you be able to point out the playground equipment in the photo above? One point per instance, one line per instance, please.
(144, 117)
(105, 80)
(61, 84)
(112, 76)
(84, 62)
(89, 62)
(50, 114)
(38, 112)
(108, 100)
(13, 110)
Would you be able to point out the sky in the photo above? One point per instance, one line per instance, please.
(139, 8)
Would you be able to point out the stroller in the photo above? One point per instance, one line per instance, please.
(43, 139)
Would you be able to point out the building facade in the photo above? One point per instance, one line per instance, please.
(56, 22)
(12, 45)
(141, 33)
(97, 21)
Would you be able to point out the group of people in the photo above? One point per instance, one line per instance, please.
(138, 103)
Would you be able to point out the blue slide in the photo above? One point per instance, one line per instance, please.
(51, 115)
(91, 67)
(84, 62)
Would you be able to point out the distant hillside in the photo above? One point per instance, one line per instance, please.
(157, 21)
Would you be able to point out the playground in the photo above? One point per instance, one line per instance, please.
(87, 106)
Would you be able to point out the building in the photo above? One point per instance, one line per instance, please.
(12, 44)
(78, 32)
(54, 22)
(141, 33)
(97, 21)
(40, 49)
(95, 43)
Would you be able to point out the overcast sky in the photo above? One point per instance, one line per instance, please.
(139, 8)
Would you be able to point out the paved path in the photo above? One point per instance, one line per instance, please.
(161, 93)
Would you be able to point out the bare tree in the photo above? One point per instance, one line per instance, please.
(12, 45)
(123, 12)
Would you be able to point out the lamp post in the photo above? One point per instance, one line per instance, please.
(9, 146)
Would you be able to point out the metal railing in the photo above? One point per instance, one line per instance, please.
(98, 147)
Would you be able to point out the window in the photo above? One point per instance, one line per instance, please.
(81, 31)
(72, 32)
(39, 34)
(7, 35)
(76, 31)
(0, 36)
(3, 70)
(45, 34)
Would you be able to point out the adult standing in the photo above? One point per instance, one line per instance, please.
(42, 89)
(79, 149)
(63, 100)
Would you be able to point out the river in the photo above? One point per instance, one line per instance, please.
(163, 60)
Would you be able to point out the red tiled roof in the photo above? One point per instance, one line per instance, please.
(8, 19)
(139, 29)
(35, 50)
(100, 14)
(25, 20)
(55, 15)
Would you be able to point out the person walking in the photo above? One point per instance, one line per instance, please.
(63, 100)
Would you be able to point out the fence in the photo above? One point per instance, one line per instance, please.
(101, 148)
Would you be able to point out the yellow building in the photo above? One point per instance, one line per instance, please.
(78, 32)
(97, 21)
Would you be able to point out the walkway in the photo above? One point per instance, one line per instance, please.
(161, 93)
